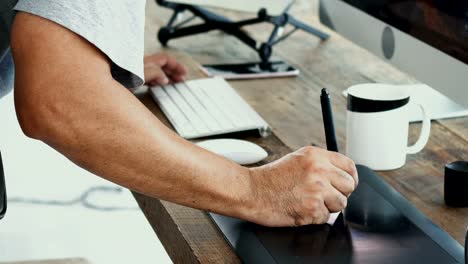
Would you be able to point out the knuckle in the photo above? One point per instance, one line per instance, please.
(348, 188)
(316, 216)
(347, 182)
(351, 167)
(325, 216)
(351, 164)
(309, 153)
(321, 217)
(318, 198)
(310, 166)
(356, 178)
(312, 204)
(351, 182)
(314, 167)
(342, 202)
(308, 150)
(301, 216)
(321, 169)
(352, 187)
(318, 183)
(300, 221)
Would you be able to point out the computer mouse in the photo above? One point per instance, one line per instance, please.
(240, 151)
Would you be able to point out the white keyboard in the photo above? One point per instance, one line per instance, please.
(206, 107)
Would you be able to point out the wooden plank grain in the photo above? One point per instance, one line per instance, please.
(167, 228)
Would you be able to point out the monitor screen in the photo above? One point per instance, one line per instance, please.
(442, 24)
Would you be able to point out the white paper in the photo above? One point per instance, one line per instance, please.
(333, 217)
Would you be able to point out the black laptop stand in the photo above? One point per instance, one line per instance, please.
(213, 21)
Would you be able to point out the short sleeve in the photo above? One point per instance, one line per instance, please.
(116, 27)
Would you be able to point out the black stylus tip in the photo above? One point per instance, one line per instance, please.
(324, 91)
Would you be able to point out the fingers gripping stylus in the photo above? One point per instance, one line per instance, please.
(330, 136)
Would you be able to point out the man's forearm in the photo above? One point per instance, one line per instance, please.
(122, 141)
(66, 96)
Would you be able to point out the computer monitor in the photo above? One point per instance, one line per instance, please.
(425, 38)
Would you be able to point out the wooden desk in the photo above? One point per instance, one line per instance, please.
(291, 107)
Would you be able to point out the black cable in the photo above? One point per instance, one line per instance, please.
(82, 199)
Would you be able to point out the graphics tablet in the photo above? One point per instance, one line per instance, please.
(378, 226)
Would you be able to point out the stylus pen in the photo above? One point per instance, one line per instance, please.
(330, 138)
(328, 125)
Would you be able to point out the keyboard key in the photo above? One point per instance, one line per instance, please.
(196, 122)
(206, 107)
(175, 116)
(218, 92)
(211, 106)
(208, 119)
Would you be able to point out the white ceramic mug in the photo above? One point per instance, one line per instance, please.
(377, 126)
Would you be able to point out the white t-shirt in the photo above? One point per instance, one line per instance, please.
(116, 27)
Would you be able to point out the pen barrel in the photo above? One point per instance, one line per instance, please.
(328, 125)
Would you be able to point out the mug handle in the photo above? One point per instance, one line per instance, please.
(424, 135)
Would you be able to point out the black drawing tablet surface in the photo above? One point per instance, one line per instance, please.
(378, 226)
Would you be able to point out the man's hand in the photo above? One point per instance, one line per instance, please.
(302, 188)
(161, 68)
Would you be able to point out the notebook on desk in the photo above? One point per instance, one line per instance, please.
(378, 226)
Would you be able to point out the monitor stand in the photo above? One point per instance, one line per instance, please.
(438, 105)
